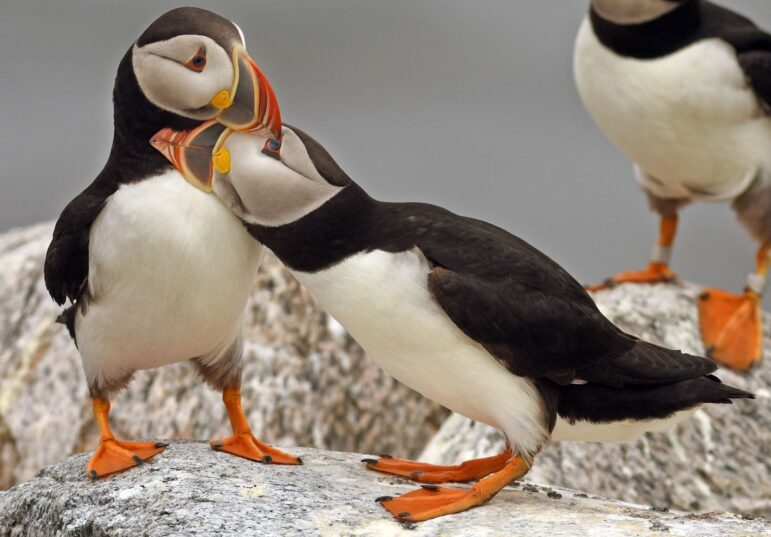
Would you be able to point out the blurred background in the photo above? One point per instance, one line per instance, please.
(469, 105)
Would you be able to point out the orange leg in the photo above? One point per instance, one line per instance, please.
(732, 325)
(472, 470)
(243, 443)
(431, 501)
(658, 270)
(114, 455)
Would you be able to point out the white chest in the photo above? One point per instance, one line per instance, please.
(688, 119)
(383, 301)
(170, 270)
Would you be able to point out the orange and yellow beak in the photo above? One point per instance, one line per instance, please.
(196, 153)
(250, 105)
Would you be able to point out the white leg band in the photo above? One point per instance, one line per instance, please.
(756, 283)
(661, 254)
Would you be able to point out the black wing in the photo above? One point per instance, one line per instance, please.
(752, 45)
(530, 314)
(756, 65)
(66, 263)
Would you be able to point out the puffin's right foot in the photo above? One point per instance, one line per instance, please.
(655, 273)
(247, 446)
(115, 456)
(472, 470)
(731, 328)
(243, 443)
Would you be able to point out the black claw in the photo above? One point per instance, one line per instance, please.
(610, 282)
(704, 295)
(299, 461)
(382, 499)
(430, 487)
(385, 456)
(267, 459)
(216, 446)
(161, 444)
(369, 462)
(710, 351)
(404, 515)
(137, 459)
(93, 474)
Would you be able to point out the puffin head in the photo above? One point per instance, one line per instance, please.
(635, 11)
(182, 87)
(269, 190)
(193, 63)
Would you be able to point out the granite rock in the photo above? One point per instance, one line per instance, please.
(189, 490)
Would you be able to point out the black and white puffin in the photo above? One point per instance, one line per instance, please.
(463, 312)
(683, 88)
(158, 271)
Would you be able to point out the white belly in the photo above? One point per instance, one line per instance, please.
(688, 119)
(383, 301)
(170, 270)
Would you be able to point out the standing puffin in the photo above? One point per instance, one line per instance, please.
(463, 312)
(683, 88)
(157, 271)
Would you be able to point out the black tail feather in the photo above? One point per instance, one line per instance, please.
(599, 403)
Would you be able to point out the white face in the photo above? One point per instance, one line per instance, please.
(633, 11)
(262, 190)
(183, 74)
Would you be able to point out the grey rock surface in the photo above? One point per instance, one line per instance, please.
(719, 460)
(190, 490)
(305, 381)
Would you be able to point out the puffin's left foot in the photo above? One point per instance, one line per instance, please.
(243, 443)
(731, 327)
(431, 501)
(247, 446)
(472, 470)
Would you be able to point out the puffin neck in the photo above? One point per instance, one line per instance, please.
(341, 227)
(651, 39)
(136, 120)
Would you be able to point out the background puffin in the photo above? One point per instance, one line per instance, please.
(156, 270)
(683, 87)
(463, 312)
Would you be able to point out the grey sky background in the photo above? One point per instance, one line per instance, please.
(467, 104)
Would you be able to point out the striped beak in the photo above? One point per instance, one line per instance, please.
(251, 104)
(196, 153)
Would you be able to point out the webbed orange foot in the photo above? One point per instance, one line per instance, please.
(472, 470)
(115, 456)
(431, 501)
(247, 446)
(731, 327)
(655, 273)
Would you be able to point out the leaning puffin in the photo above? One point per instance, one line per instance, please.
(683, 88)
(463, 312)
(156, 270)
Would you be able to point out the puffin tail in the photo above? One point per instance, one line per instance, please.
(717, 392)
(599, 403)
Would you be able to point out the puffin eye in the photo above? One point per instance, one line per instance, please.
(198, 61)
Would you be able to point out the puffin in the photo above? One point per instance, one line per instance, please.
(463, 312)
(154, 270)
(683, 88)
